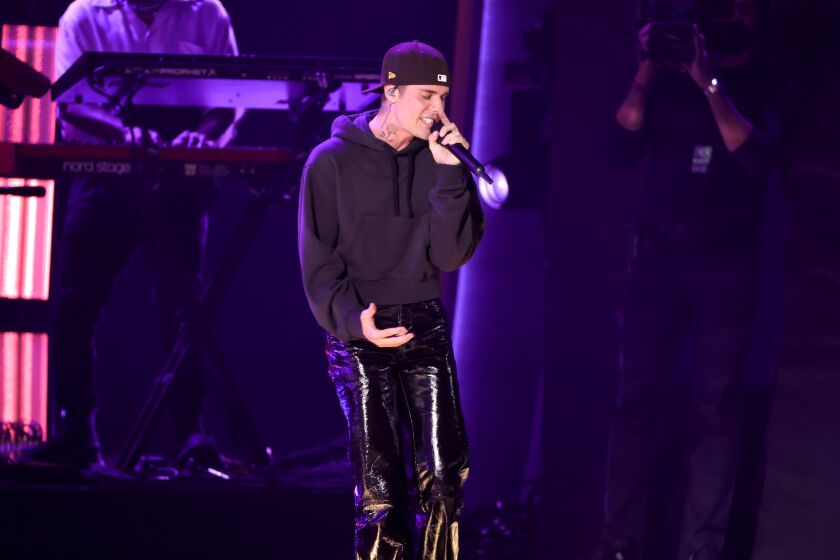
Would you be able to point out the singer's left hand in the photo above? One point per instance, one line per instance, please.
(449, 134)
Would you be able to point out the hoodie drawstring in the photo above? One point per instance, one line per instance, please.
(396, 177)
(411, 159)
(396, 180)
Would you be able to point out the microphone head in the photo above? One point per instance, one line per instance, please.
(463, 155)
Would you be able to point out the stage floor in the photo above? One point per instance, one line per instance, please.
(62, 515)
(301, 508)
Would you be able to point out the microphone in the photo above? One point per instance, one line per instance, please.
(464, 156)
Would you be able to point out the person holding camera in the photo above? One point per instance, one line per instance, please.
(697, 110)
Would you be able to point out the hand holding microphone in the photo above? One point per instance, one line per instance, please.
(445, 134)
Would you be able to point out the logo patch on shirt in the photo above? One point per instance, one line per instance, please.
(442, 78)
(702, 159)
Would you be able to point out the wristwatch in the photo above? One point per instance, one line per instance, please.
(712, 88)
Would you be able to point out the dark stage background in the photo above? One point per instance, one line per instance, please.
(537, 312)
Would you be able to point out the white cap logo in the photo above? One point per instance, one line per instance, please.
(442, 78)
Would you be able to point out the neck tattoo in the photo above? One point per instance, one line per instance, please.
(383, 132)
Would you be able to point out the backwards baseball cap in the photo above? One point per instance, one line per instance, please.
(412, 63)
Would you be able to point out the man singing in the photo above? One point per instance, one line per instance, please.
(384, 207)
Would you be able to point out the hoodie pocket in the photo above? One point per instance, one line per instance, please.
(388, 247)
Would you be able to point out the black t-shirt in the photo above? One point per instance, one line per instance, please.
(696, 192)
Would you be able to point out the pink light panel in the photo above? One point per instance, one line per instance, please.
(25, 236)
(26, 223)
(23, 378)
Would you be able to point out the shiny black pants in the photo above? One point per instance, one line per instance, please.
(380, 388)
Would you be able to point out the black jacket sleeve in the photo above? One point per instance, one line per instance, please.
(332, 297)
(456, 219)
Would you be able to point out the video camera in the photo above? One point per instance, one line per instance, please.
(672, 31)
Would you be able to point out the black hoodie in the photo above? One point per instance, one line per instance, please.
(377, 225)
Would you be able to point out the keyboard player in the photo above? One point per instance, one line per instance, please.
(108, 219)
